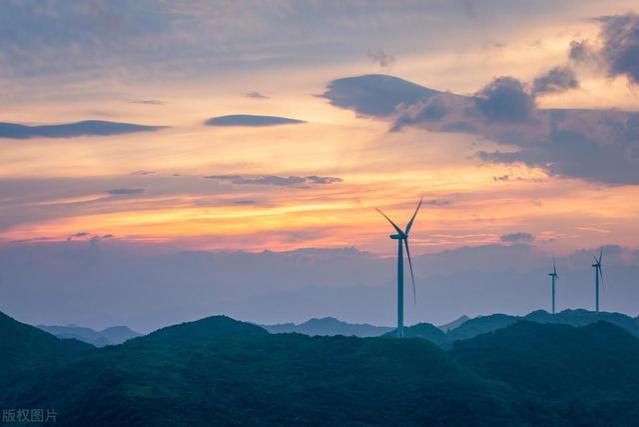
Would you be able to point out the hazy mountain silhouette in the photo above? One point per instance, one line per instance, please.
(481, 325)
(582, 317)
(465, 328)
(109, 336)
(329, 326)
(447, 327)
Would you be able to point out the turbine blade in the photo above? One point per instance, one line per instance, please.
(600, 254)
(410, 223)
(399, 230)
(554, 266)
(412, 276)
(601, 276)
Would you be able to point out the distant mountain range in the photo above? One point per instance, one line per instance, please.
(328, 326)
(454, 324)
(459, 329)
(109, 336)
(469, 328)
(218, 371)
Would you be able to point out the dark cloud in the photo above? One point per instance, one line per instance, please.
(275, 180)
(589, 144)
(519, 237)
(558, 79)
(460, 126)
(96, 238)
(244, 202)
(322, 179)
(381, 58)
(596, 145)
(375, 95)
(70, 130)
(77, 235)
(620, 49)
(83, 235)
(143, 172)
(125, 191)
(251, 120)
(505, 100)
(255, 95)
(580, 51)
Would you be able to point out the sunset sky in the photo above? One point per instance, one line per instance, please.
(174, 65)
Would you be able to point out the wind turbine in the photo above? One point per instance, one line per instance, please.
(402, 240)
(598, 275)
(554, 276)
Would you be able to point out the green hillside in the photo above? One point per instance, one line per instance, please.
(423, 330)
(202, 373)
(218, 371)
(589, 374)
(27, 352)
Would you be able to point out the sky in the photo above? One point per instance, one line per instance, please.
(157, 128)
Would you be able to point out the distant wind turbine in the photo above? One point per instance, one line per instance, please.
(554, 276)
(598, 275)
(402, 240)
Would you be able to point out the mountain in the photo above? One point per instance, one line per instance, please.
(454, 324)
(584, 317)
(423, 330)
(462, 328)
(201, 332)
(218, 371)
(480, 325)
(589, 373)
(329, 326)
(109, 336)
(26, 351)
(580, 317)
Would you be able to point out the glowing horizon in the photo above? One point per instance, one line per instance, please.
(311, 184)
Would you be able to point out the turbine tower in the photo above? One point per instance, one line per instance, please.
(402, 240)
(598, 275)
(554, 276)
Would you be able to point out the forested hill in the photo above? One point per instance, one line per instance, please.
(218, 371)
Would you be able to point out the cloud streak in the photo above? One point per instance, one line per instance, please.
(250, 120)
(275, 180)
(519, 237)
(255, 95)
(72, 130)
(125, 191)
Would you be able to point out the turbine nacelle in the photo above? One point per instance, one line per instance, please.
(399, 236)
